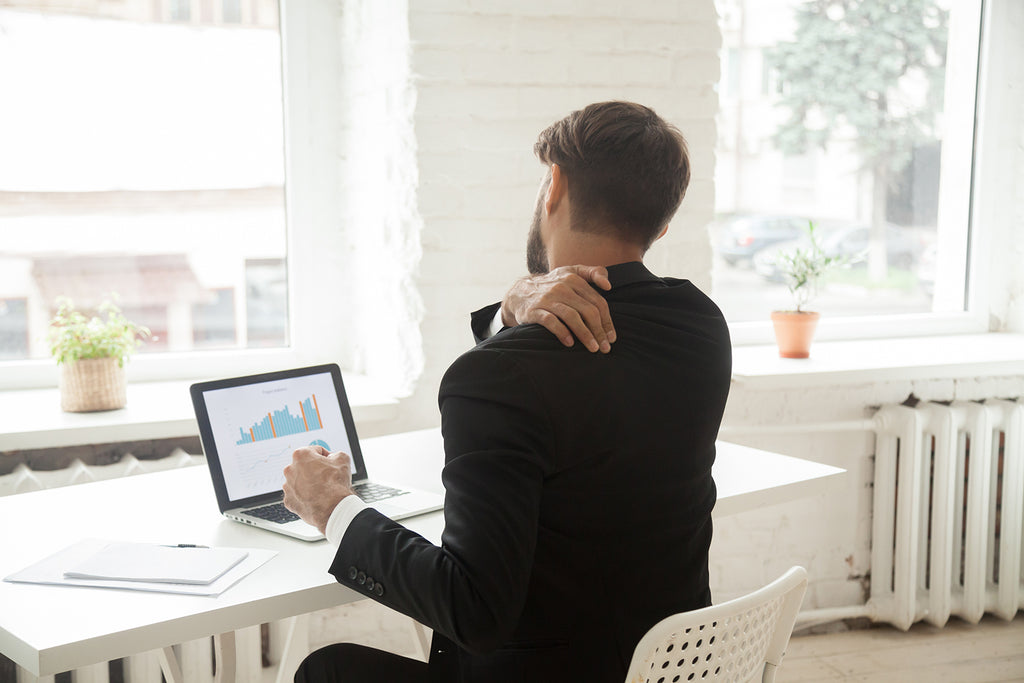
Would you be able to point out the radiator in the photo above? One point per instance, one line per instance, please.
(948, 512)
(23, 479)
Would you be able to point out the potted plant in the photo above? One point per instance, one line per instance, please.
(802, 267)
(91, 351)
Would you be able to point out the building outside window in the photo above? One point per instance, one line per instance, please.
(13, 328)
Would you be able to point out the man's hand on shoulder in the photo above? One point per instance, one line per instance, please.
(315, 483)
(565, 304)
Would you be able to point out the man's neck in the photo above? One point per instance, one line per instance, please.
(592, 250)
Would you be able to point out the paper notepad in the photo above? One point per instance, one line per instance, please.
(152, 563)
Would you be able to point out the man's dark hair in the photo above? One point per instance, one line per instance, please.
(627, 168)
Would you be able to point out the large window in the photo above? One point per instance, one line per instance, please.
(858, 116)
(179, 184)
(143, 157)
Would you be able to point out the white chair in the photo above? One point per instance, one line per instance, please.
(741, 640)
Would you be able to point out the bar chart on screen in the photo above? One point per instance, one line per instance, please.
(282, 422)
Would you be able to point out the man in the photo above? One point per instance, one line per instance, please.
(578, 485)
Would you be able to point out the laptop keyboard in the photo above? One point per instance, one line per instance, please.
(275, 512)
(367, 491)
(370, 492)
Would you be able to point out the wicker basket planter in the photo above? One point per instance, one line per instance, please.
(92, 384)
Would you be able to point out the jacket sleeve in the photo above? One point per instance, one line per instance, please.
(472, 588)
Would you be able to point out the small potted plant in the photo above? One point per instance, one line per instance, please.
(802, 267)
(91, 351)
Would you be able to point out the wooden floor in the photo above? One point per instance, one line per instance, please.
(958, 653)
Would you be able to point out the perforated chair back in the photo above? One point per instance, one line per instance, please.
(741, 640)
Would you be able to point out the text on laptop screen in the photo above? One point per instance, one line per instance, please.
(257, 426)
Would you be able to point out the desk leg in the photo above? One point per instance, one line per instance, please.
(224, 646)
(295, 647)
(196, 660)
(93, 673)
(142, 668)
(169, 665)
(248, 654)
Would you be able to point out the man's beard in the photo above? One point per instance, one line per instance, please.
(536, 252)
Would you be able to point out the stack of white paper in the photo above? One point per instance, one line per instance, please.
(145, 567)
(157, 563)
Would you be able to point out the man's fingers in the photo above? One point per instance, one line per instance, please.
(305, 453)
(609, 330)
(598, 318)
(343, 461)
(583, 320)
(585, 312)
(597, 275)
(552, 324)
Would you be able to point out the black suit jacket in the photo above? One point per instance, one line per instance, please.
(578, 494)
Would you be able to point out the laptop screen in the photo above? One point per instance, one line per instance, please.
(251, 425)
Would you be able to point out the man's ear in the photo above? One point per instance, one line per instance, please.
(558, 189)
(662, 233)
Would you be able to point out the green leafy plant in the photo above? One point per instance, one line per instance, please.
(75, 336)
(804, 267)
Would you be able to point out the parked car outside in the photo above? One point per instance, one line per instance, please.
(739, 237)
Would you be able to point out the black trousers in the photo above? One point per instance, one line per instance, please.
(350, 663)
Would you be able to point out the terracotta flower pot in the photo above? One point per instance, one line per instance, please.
(92, 384)
(794, 331)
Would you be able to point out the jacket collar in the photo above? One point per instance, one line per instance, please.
(622, 274)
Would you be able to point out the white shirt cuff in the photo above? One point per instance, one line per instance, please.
(496, 324)
(344, 513)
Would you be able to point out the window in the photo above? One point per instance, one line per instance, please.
(347, 296)
(158, 179)
(859, 117)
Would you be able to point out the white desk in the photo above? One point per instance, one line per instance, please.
(49, 629)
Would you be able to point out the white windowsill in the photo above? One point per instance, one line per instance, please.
(155, 410)
(879, 360)
(158, 410)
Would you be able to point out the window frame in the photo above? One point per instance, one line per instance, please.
(312, 216)
(986, 209)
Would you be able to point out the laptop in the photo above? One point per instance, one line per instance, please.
(249, 427)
